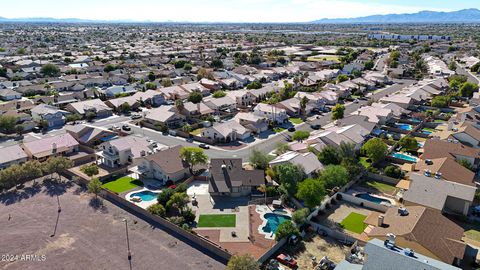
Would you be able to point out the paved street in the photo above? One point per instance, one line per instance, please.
(471, 77)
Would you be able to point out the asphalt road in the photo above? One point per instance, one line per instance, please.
(461, 71)
(269, 144)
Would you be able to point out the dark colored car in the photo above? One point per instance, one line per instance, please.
(126, 128)
(37, 129)
(315, 127)
(204, 146)
(291, 129)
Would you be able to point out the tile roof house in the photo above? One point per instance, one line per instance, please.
(165, 165)
(443, 195)
(12, 155)
(165, 115)
(124, 151)
(226, 132)
(228, 178)
(51, 146)
(93, 105)
(447, 168)
(308, 161)
(89, 135)
(468, 134)
(254, 123)
(272, 113)
(434, 148)
(53, 115)
(191, 109)
(424, 230)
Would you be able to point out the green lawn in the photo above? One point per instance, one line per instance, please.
(354, 223)
(322, 58)
(365, 162)
(278, 129)
(381, 187)
(222, 220)
(197, 131)
(472, 231)
(429, 129)
(122, 184)
(295, 121)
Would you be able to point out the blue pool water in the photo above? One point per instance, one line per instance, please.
(426, 132)
(273, 220)
(415, 120)
(371, 198)
(406, 127)
(145, 195)
(404, 157)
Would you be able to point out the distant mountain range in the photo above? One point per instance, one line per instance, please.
(462, 16)
(55, 20)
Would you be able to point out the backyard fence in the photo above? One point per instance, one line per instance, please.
(365, 203)
(383, 178)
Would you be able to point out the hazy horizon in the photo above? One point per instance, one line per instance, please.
(260, 11)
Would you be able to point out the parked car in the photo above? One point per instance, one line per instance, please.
(287, 260)
(126, 128)
(204, 146)
(355, 101)
(37, 129)
(315, 127)
(291, 129)
(135, 116)
(189, 140)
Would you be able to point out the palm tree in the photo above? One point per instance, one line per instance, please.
(303, 105)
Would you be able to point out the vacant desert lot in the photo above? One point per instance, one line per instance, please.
(86, 237)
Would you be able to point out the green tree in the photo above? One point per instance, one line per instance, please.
(338, 112)
(465, 163)
(178, 201)
(164, 196)
(187, 128)
(289, 175)
(3, 72)
(409, 143)
(94, 186)
(216, 63)
(193, 156)
(219, 94)
(440, 102)
(375, 149)
(151, 76)
(311, 191)
(369, 65)
(282, 148)
(166, 82)
(57, 165)
(50, 70)
(125, 108)
(90, 169)
(300, 135)
(195, 97)
(254, 85)
(285, 230)
(243, 262)
(259, 160)
(300, 216)
(7, 123)
(467, 89)
(329, 155)
(342, 78)
(157, 209)
(151, 86)
(347, 151)
(393, 171)
(73, 117)
(90, 115)
(303, 105)
(452, 66)
(334, 176)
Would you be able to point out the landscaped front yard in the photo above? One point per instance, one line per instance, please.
(354, 223)
(197, 131)
(122, 184)
(295, 121)
(278, 129)
(222, 220)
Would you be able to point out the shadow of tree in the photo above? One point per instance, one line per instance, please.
(54, 187)
(97, 204)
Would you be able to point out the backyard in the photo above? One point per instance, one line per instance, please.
(122, 184)
(379, 186)
(197, 131)
(217, 221)
(354, 223)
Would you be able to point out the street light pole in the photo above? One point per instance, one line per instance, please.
(129, 256)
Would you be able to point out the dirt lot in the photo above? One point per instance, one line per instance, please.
(87, 236)
(314, 245)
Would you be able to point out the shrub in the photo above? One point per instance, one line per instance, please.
(157, 209)
(90, 169)
(300, 216)
(286, 229)
(165, 195)
(393, 171)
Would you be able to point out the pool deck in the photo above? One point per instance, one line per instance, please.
(143, 204)
(262, 210)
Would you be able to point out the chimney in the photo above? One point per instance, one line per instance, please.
(380, 220)
(391, 238)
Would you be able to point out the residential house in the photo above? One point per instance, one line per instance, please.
(272, 113)
(226, 104)
(243, 98)
(227, 177)
(89, 135)
(424, 230)
(124, 151)
(165, 166)
(41, 149)
(52, 115)
(433, 149)
(9, 94)
(192, 110)
(226, 132)
(308, 161)
(377, 115)
(96, 106)
(12, 155)
(151, 97)
(256, 124)
(165, 116)
(118, 103)
(116, 91)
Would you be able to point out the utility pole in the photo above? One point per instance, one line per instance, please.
(128, 245)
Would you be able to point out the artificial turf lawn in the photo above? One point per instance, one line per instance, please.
(382, 187)
(122, 184)
(228, 220)
(278, 129)
(354, 223)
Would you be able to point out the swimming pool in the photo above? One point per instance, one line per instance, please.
(371, 198)
(426, 132)
(404, 157)
(406, 127)
(273, 220)
(145, 195)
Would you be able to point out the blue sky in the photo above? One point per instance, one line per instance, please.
(222, 10)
